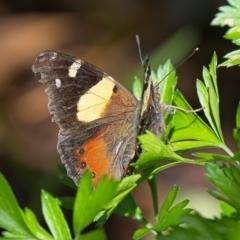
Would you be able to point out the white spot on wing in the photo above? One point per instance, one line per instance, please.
(58, 83)
(72, 71)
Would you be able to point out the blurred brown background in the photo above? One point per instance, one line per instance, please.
(103, 33)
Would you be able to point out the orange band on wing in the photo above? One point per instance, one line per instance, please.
(93, 155)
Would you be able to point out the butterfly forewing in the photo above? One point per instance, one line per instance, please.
(97, 116)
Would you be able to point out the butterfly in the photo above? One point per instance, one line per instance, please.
(99, 119)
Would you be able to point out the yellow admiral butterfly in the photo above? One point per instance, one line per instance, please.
(99, 119)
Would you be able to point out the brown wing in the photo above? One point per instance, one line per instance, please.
(97, 116)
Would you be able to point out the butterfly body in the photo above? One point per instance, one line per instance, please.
(99, 119)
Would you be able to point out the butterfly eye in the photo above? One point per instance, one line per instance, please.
(93, 175)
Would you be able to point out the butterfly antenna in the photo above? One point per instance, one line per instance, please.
(139, 48)
(190, 55)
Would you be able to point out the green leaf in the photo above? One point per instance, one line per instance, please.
(67, 181)
(228, 15)
(211, 156)
(237, 41)
(8, 235)
(179, 233)
(236, 131)
(168, 202)
(89, 202)
(96, 234)
(13, 237)
(62, 168)
(196, 227)
(121, 191)
(187, 130)
(67, 202)
(227, 210)
(238, 117)
(137, 88)
(233, 59)
(209, 98)
(11, 216)
(233, 33)
(63, 178)
(35, 227)
(168, 215)
(129, 208)
(141, 232)
(227, 182)
(201, 225)
(168, 81)
(155, 152)
(213, 73)
(54, 217)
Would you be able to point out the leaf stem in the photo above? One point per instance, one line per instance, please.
(145, 223)
(196, 162)
(227, 150)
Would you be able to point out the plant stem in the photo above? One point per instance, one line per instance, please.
(196, 162)
(227, 150)
(152, 181)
